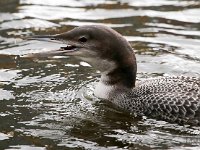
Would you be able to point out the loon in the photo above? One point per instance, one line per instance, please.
(173, 99)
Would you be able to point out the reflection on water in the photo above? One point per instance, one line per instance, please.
(49, 103)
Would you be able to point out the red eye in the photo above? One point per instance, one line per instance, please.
(82, 39)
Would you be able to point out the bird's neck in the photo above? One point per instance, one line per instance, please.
(116, 81)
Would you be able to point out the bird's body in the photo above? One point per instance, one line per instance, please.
(174, 99)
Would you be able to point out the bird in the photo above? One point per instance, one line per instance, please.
(175, 99)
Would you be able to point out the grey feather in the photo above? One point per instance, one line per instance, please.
(174, 99)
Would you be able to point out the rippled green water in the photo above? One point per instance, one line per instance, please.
(49, 103)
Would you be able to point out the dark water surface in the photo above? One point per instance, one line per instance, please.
(49, 103)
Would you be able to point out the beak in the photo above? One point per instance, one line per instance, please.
(42, 37)
(62, 51)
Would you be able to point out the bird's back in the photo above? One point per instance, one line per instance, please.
(174, 99)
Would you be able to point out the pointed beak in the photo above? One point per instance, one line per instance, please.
(64, 50)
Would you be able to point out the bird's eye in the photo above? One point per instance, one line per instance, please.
(82, 39)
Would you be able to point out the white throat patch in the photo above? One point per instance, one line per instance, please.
(102, 90)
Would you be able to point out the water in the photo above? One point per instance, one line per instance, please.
(49, 103)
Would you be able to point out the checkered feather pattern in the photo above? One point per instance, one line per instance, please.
(174, 99)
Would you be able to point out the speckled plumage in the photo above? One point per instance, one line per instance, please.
(174, 99)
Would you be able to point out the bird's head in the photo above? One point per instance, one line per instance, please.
(100, 46)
